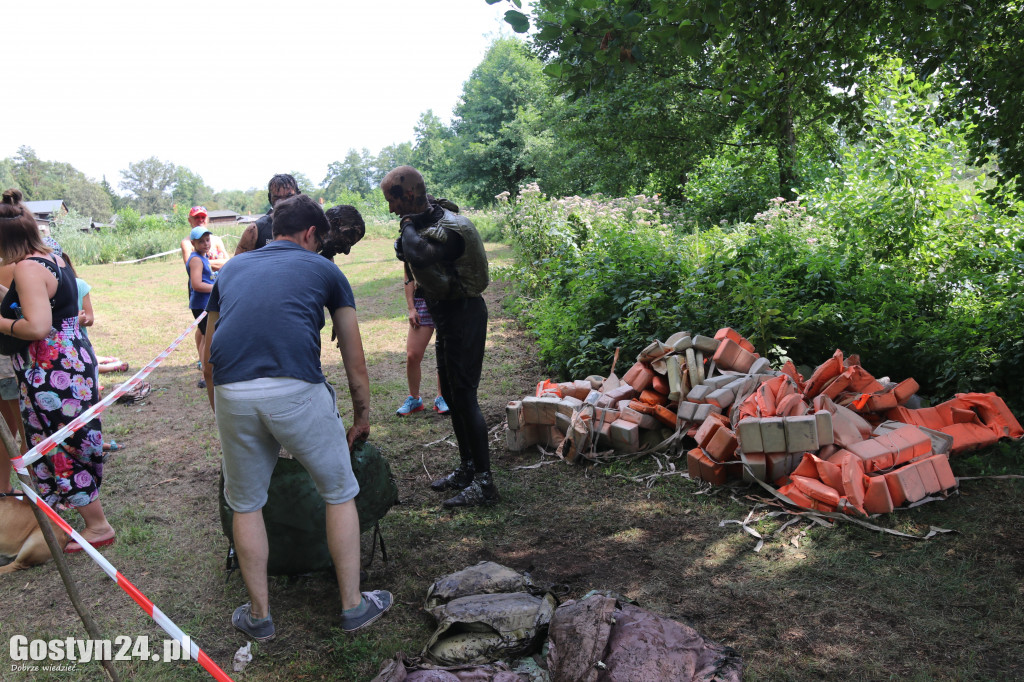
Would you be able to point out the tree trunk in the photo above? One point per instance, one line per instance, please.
(785, 149)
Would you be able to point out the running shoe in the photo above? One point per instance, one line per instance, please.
(409, 406)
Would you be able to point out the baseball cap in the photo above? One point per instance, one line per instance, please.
(198, 232)
(197, 210)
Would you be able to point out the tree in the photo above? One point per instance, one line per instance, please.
(431, 155)
(392, 156)
(149, 182)
(493, 147)
(351, 175)
(189, 188)
(41, 180)
(116, 201)
(783, 62)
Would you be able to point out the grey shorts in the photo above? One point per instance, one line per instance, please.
(256, 419)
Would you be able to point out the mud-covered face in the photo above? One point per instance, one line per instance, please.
(339, 239)
(404, 191)
(400, 200)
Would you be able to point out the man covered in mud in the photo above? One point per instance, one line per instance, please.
(446, 257)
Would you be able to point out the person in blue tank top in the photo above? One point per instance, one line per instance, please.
(200, 282)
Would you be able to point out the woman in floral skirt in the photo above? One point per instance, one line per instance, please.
(56, 372)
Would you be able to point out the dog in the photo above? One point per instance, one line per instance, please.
(21, 540)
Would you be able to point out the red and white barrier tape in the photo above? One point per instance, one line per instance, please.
(36, 453)
(149, 607)
(21, 464)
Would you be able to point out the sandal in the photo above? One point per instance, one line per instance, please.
(111, 446)
(74, 548)
(136, 394)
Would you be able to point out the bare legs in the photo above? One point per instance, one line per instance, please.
(415, 346)
(342, 541)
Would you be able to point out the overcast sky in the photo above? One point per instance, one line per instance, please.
(235, 91)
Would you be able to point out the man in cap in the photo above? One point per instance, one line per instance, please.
(218, 255)
(268, 390)
(446, 257)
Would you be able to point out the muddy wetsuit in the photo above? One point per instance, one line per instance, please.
(446, 256)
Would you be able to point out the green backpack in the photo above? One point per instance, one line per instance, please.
(295, 513)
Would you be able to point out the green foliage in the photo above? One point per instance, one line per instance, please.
(592, 275)
(43, 180)
(498, 132)
(730, 187)
(777, 63)
(130, 237)
(149, 183)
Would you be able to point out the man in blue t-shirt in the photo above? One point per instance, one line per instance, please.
(263, 374)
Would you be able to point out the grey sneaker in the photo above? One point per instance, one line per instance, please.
(259, 630)
(377, 603)
(456, 480)
(480, 492)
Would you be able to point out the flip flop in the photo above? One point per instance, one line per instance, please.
(74, 548)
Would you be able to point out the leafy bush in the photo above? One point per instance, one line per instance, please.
(592, 276)
(130, 237)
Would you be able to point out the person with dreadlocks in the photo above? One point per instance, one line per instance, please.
(446, 258)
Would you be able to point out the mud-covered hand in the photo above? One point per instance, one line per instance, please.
(357, 432)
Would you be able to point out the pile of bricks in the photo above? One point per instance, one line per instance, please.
(840, 440)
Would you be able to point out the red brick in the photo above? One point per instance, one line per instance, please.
(652, 397)
(905, 389)
(875, 454)
(707, 469)
(825, 372)
(905, 485)
(817, 490)
(734, 336)
(928, 476)
(830, 474)
(967, 437)
(731, 356)
(639, 376)
(665, 416)
(943, 471)
(722, 445)
(876, 497)
(706, 431)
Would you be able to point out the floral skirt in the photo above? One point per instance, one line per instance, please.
(57, 378)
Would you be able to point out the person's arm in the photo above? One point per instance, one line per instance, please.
(350, 343)
(195, 277)
(32, 279)
(186, 249)
(422, 248)
(211, 327)
(410, 302)
(218, 255)
(247, 242)
(85, 315)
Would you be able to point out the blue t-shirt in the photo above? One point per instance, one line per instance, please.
(197, 300)
(271, 304)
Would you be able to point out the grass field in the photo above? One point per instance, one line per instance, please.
(815, 603)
